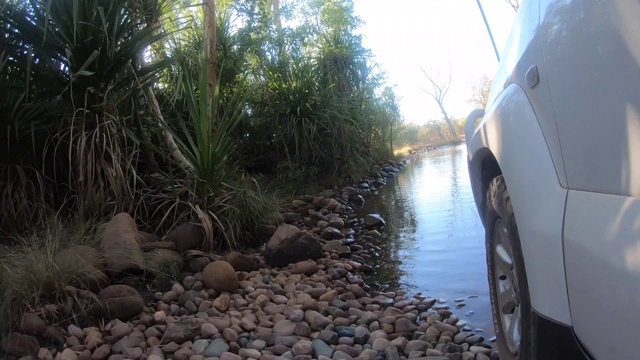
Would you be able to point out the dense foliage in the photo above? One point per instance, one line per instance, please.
(104, 107)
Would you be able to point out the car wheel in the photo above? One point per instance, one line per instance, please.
(507, 278)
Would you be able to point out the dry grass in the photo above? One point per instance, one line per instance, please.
(29, 274)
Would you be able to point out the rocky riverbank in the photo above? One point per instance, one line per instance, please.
(300, 296)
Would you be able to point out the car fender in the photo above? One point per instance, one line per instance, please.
(510, 133)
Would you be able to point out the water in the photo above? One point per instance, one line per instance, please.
(434, 240)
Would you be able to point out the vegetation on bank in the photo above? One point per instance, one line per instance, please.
(111, 106)
(107, 106)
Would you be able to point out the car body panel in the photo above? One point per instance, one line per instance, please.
(592, 61)
(538, 205)
(522, 52)
(602, 247)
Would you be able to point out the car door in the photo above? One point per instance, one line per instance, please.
(592, 56)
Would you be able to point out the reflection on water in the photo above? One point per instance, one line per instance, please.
(434, 240)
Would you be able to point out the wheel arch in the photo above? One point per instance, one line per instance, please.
(509, 141)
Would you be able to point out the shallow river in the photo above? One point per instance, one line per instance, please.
(434, 240)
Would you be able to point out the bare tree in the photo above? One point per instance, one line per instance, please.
(480, 92)
(440, 85)
(515, 4)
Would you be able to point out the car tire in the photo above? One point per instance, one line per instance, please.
(508, 286)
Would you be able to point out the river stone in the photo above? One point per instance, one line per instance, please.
(331, 245)
(328, 336)
(331, 233)
(199, 346)
(361, 335)
(291, 217)
(289, 245)
(120, 302)
(391, 353)
(373, 220)
(184, 329)
(32, 324)
(321, 348)
(380, 344)
(20, 345)
(241, 262)
(416, 345)
(404, 325)
(302, 347)
(307, 267)
(186, 236)
(119, 244)
(285, 327)
(102, 352)
(220, 276)
(216, 348)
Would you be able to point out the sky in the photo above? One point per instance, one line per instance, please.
(405, 35)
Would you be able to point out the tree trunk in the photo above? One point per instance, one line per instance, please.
(210, 45)
(276, 16)
(452, 131)
(175, 152)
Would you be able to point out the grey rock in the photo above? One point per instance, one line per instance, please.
(373, 220)
(199, 346)
(321, 348)
(329, 337)
(361, 335)
(216, 348)
(391, 353)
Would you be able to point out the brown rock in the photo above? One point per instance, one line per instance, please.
(222, 302)
(119, 302)
(185, 329)
(307, 267)
(163, 260)
(20, 345)
(186, 237)
(32, 324)
(241, 262)
(330, 233)
(68, 354)
(55, 334)
(102, 352)
(220, 276)
(198, 264)
(289, 245)
(285, 328)
(119, 244)
(332, 245)
(44, 354)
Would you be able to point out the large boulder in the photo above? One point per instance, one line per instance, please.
(119, 302)
(120, 247)
(83, 266)
(220, 276)
(290, 245)
(32, 324)
(241, 262)
(20, 345)
(187, 236)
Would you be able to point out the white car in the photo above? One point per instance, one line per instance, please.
(555, 170)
